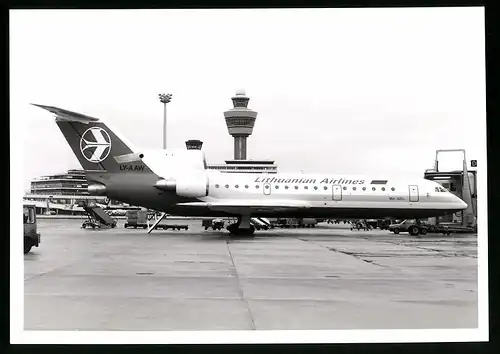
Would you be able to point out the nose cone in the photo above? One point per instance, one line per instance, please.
(460, 203)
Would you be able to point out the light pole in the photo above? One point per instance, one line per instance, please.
(165, 98)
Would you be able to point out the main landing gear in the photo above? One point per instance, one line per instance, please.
(242, 227)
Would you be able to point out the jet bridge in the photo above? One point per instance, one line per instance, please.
(462, 183)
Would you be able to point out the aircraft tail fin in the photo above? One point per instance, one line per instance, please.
(96, 146)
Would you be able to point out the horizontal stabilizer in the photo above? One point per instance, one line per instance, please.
(63, 114)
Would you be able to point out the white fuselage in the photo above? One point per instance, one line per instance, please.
(332, 191)
(310, 195)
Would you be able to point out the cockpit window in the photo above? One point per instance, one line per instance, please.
(439, 189)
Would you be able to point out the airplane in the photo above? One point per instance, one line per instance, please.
(178, 182)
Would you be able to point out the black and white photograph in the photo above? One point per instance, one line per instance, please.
(248, 175)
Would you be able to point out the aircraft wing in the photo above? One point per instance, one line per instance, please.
(249, 205)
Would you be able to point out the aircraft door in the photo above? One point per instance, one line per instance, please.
(413, 193)
(336, 192)
(267, 188)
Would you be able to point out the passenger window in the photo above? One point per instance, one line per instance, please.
(364, 188)
(227, 185)
(373, 188)
(266, 186)
(296, 187)
(246, 185)
(236, 186)
(315, 187)
(393, 189)
(345, 188)
(216, 186)
(257, 186)
(383, 188)
(305, 187)
(325, 188)
(277, 187)
(353, 188)
(286, 187)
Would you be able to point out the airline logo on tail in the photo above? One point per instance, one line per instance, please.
(95, 144)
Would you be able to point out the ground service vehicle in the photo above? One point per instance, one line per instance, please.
(31, 237)
(447, 228)
(307, 222)
(136, 218)
(384, 224)
(412, 226)
(216, 224)
(139, 218)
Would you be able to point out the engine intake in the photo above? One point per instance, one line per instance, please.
(192, 185)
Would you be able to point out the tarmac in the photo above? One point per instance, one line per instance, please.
(327, 277)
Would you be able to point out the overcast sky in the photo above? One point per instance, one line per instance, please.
(361, 91)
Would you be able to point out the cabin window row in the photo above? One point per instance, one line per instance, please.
(297, 187)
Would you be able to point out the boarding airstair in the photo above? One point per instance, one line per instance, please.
(465, 218)
(97, 217)
(260, 223)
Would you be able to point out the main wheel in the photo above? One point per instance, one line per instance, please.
(235, 230)
(423, 231)
(396, 231)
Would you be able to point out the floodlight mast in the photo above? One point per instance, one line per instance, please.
(165, 98)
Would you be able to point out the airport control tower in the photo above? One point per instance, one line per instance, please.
(240, 121)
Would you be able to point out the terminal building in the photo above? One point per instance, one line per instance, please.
(73, 182)
(60, 193)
